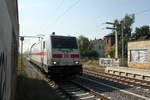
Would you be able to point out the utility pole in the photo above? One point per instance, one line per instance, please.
(116, 44)
(116, 38)
(122, 28)
(22, 39)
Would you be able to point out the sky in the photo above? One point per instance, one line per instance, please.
(77, 17)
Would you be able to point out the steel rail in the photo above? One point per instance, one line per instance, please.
(102, 97)
(119, 80)
(142, 81)
(121, 90)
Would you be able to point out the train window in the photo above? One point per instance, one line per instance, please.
(44, 45)
(64, 42)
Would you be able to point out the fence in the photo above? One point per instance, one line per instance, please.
(109, 62)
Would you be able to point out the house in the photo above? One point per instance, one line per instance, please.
(139, 54)
(109, 41)
(98, 45)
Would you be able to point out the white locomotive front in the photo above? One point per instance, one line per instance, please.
(57, 56)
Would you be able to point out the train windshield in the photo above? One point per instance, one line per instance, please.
(64, 42)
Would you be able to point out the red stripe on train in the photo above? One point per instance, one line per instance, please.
(75, 56)
(57, 55)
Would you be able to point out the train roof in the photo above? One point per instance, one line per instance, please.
(62, 35)
(47, 37)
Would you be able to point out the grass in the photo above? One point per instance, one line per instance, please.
(91, 62)
(20, 68)
(31, 87)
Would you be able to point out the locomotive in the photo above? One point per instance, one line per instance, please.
(57, 56)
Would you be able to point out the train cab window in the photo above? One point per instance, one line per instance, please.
(44, 45)
(64, 42)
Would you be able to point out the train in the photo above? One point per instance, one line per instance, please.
(9, 41)
(57, 56)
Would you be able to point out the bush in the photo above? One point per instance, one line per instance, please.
(110, 52)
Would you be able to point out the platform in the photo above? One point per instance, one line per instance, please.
(130, 72)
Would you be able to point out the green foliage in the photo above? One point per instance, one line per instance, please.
(110, 52)
(141, 32)
(86, 49)
(124, 26)
(83, 43)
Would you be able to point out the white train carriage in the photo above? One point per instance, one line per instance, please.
(57, 55)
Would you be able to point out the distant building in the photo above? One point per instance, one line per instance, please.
(139, 54)
(98, 45)
(109, 41)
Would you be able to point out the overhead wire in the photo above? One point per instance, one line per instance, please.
(146, 10)
(61, 3)
(137, 13)
(67, 10)
(56, 9)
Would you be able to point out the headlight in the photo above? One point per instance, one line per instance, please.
(54, 63)
(76, 62)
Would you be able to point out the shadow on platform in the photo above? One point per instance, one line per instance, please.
(34, 89)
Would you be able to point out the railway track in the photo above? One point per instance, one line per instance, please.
(86, 88)
(70, 90)
(73, 90)
(123, 79)
(133, 87)
(112, 92)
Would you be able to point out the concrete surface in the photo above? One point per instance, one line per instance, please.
(130, 72)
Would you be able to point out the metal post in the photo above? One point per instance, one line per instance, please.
(22, 39)
(39, 38)
(21, 55)
(122, 44)
(116, 44)
(116, 38)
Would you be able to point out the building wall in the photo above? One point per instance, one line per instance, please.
(9, 31)
(139, 54)
(108, 43)
(99, 47)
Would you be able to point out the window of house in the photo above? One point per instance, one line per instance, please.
(140, 55)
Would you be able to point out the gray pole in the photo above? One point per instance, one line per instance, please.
(122, 45)
(116, 44)
(22, 39)
(116, 38)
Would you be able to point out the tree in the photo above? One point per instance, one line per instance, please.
(83, 44)
(110, 52)
(141, 32)
(125, 26)
(86, 49)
